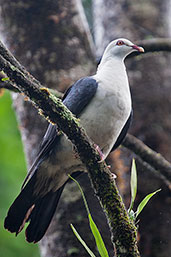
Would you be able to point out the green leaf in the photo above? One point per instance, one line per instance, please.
(133, 184)
(99, 241)
(82, 193)
(144, 202)
(98, 238)
(4, 79)
(82, 241)
(73, 250)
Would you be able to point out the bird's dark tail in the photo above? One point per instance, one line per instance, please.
(42, 214)
(36, 210)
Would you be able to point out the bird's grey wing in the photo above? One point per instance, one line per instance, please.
(79, 95)
(75, 99)
(50, 139)
(123, 132)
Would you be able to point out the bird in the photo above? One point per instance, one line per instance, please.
(102, 103)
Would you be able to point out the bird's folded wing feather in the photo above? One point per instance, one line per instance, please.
(75, 99)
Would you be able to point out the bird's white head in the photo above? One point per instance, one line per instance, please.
(121, 48)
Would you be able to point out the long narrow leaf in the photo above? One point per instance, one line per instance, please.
(82, 241)
(82, 193)
(144, 202)
(98, 238)
(99, 241)
(133, 184)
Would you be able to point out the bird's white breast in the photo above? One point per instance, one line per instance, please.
(110, 108)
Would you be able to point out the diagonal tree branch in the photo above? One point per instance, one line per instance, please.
(122, 228)
(13, 62)
(156, 44)
(153, 45)
(158, 163)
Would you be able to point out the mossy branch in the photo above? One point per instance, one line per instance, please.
(7, 84)
(52, 108)
(154, 162)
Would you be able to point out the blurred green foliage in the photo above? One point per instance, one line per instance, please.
(12, 173)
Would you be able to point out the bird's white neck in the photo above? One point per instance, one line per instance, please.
(112, 68)
(112, 73)
(108, 58)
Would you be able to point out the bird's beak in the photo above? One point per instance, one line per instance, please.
(138, 48)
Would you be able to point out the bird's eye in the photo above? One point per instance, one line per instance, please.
(120, 43)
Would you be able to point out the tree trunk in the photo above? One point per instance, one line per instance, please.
(149, 78)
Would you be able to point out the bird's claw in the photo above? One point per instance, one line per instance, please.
(102, 156)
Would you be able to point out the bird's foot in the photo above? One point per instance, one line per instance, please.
(102, 156)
